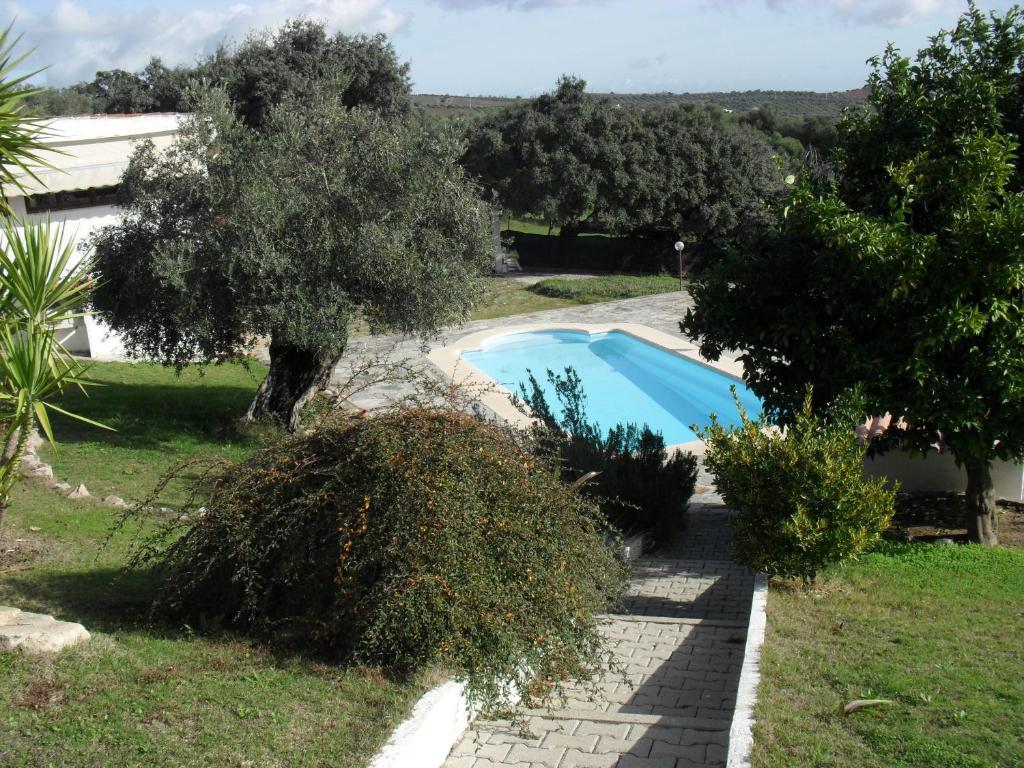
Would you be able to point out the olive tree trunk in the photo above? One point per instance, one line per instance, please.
(981, 503)
(296, 374)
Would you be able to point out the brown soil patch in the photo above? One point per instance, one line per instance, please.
(19, 552)
(930, 516)
(43, 694)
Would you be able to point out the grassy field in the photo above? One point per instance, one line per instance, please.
(506, 296)
(141, 693)
(160, 419)
(609, 288)
(532, 226)
(937, 630)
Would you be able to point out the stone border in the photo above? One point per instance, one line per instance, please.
(427, 736)
(448, 359)
(741, 735)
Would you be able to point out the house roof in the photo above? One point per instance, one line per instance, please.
(94, 150)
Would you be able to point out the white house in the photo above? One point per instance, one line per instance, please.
(90, 154)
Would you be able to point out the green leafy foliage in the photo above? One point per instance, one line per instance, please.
(909, 278)
(258, 73)
(40, 288)
(580, 163)
(323, 216)
(406, 540)
(21, 132)
(640, 486)
(802, 498)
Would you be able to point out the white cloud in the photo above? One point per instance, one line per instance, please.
(75, 41)
(886, 13)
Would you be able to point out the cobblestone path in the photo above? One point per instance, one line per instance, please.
(679, 643)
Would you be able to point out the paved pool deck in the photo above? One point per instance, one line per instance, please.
(662, 312)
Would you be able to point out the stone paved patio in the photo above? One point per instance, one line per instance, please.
(679, 644)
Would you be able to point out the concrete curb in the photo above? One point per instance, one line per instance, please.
(427, 736)
(741, 735)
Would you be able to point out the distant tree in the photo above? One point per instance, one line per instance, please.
(908, 282)
(325, 215)
(580, 162)
(258, 74)
(54, 102)
(156, 88)
(688, 169)
(117, 92)
(292, 63)
(549, 156)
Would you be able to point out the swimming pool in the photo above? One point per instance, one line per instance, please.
(625, 378)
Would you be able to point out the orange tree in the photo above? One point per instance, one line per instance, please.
(908, 278)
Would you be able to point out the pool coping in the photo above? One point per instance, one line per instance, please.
(498, 400)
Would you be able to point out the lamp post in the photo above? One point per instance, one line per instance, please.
(680, 245)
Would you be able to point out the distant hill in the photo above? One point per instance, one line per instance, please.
(786, 103)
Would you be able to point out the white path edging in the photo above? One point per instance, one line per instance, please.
(424, 740)
(741, 733)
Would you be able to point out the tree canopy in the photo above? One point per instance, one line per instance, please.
(580, 162)
(325, 215)
(257, 74)
(908, 280)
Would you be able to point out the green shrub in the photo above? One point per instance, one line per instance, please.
(411, 539)
(640, 487)
(802, 498)
(596, 289)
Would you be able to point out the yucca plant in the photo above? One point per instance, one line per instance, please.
(21, 133)
(40, 288)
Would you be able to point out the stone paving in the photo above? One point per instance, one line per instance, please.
(679, 644)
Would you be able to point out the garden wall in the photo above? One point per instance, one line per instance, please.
(937, 472)
(593, 254)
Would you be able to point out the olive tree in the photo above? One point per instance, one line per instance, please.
(909, 280)
(324, 215)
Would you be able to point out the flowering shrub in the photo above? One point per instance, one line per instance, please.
(414, 538)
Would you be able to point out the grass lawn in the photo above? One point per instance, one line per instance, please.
(149, 694)
(935, 629)
(505, 296)
(161, 418)
(530, 226)
(607, 288)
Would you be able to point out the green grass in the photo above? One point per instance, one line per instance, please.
(611, 288)
(935, 629)
(144, 693)
(505, 296)
(160, 418)
(531, 226)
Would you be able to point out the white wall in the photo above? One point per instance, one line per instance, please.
(89, 336)
(938, 472)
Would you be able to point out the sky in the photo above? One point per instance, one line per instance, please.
(515, 47)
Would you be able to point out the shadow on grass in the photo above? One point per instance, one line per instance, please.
(118, 602)
(106, 599)
(148, 416)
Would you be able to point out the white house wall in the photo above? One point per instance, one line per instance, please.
(938, 472)
(89, 337)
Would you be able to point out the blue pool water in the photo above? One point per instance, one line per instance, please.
(625, 379)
